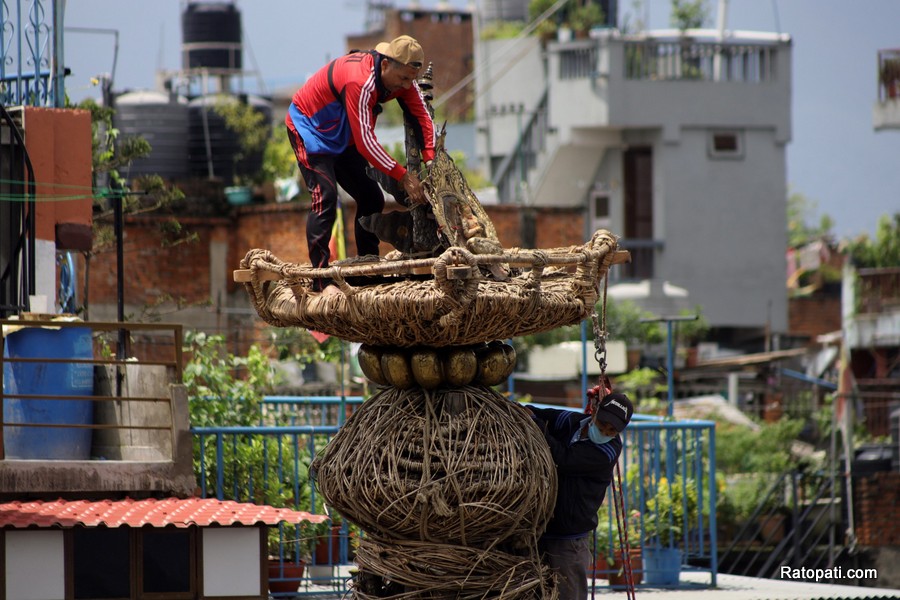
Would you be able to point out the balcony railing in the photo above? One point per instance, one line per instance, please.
(879, 290)
(699, 61)
(668, 58)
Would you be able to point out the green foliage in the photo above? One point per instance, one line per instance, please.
(688, 14)
(501, 30)
(252, 131)
(568, 333)
(217, 395)
(800, 212)
(740, 449)
(226, 390)
(278, 157)
(538, 7)
(623, 321)
(740, 495)
(584, 16)
(108, 155)
(643, 386)
(884, 250)
(606, 539)
(295, 343)
(671, 510)
(690, 332)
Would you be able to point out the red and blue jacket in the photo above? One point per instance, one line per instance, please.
(336, 108)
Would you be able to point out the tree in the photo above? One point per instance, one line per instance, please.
(144, 194)
(688, 14)
(884, 250)
(800, 212)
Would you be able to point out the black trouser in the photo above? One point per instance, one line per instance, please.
(322, 173)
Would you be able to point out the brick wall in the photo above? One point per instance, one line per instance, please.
(877, 506)
(157, 265)
(814, 315)
(446, 38)
(155, 268)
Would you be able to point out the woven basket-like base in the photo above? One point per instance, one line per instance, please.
(457, 466)
(459, 305)
(432, 571)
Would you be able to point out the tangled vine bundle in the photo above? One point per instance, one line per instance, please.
(454, 466)
(436, 571)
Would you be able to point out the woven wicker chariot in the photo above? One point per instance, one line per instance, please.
(457, 305)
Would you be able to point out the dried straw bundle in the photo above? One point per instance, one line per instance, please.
(455, 466)
(431, 571)
(458, 306)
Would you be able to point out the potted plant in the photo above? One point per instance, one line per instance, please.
(585, 16)
(249, 126)
(290, 548)
(671, 513)
(609, 556)
(688, 333)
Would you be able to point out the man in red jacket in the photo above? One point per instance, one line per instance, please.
(331, 126)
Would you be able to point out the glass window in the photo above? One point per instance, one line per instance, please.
(725, 144)
(101, 562)
(166, 560)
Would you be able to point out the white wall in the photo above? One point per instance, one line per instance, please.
(35, 565)
(725, 227)
(231, 564)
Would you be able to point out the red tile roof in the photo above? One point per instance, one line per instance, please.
(137, 513)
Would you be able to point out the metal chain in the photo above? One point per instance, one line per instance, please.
(600, 333)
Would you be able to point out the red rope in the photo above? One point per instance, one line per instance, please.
(621, 523)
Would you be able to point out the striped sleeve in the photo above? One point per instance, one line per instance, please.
(359, 103)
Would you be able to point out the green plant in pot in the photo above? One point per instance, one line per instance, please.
(672, 512)
(609, 563)
(585, 16)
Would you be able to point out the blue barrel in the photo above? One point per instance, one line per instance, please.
(51, 379)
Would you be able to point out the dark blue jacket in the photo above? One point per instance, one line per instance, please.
(584, 471)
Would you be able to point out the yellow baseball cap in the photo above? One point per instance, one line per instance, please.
(404, 50)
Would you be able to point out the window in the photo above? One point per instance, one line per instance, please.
(725, 144)
(166, 561)
(125, 563)
(101, 563)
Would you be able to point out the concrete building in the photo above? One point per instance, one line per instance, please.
(675, 141)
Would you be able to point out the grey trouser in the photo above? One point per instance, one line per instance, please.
(569, 559)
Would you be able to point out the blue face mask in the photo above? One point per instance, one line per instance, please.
(596, 436)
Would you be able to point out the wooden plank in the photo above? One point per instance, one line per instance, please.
(516, 260)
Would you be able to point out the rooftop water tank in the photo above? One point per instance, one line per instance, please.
(211, 143)
(162, 119)
(211, 36)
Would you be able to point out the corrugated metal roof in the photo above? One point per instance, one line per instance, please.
(178, 512)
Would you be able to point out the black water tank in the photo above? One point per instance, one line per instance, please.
(163, 121)
(211, 36)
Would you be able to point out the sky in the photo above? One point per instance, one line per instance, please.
(835, 158)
